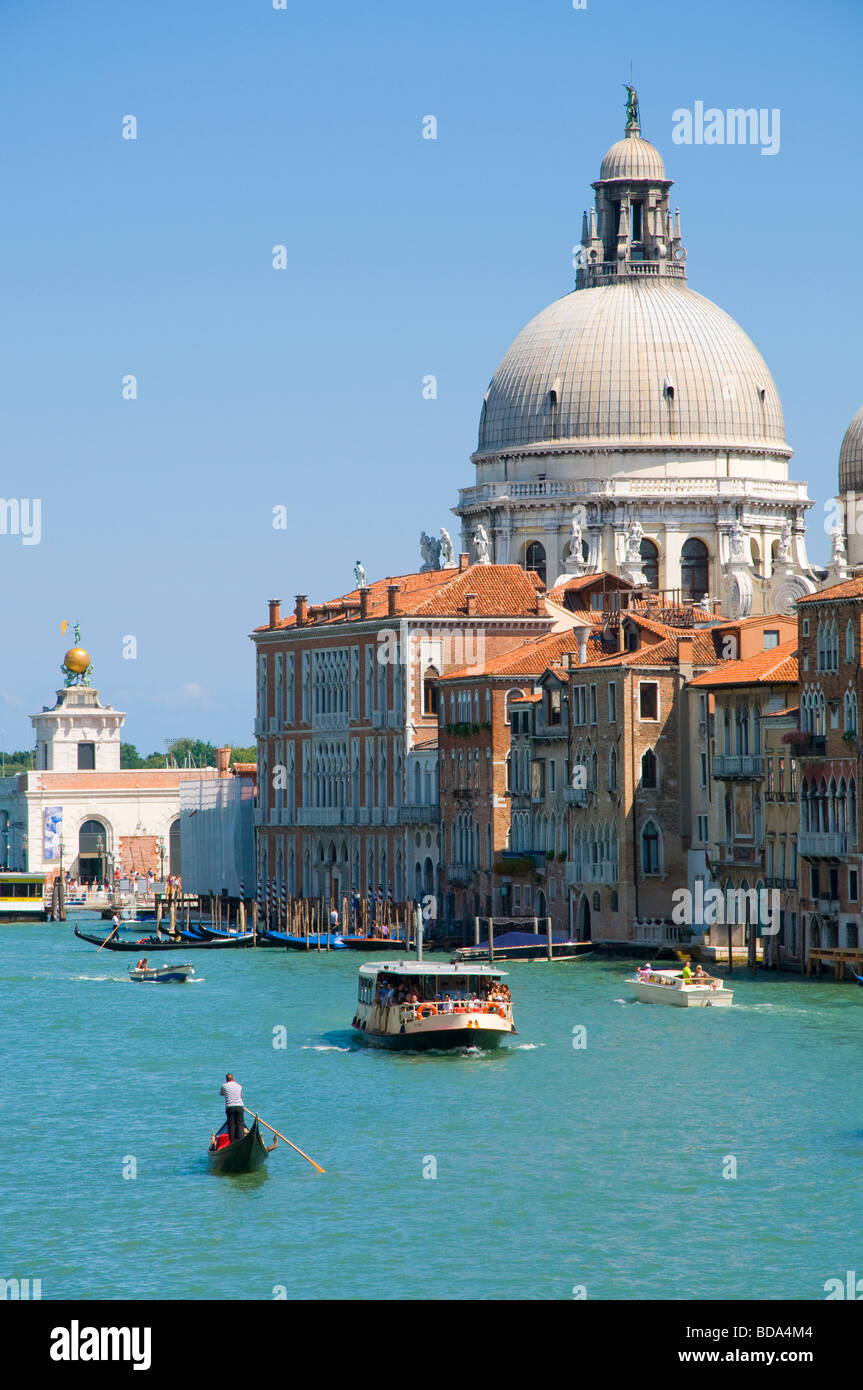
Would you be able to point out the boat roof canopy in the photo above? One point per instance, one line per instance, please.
(423, 967)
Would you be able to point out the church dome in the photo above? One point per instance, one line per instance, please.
(851, 456)
(639, 363)
(632, 158)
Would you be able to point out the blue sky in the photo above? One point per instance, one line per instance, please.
(302, 387)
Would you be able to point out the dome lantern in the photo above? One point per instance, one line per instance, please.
(631, 233)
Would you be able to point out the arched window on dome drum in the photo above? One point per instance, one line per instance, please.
(534, 560)
(694, 568)
(649, 553)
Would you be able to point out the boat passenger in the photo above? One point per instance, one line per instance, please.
(701, 975)
(142, 964)
(446, 1006)
(234, 1109)
(686, 973)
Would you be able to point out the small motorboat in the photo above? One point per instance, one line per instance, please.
(245, 1155)
(162, 974)
(667, 987)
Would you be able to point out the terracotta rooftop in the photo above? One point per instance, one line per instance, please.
(532, 658)
(502, 591)
(778, 666)
(848, 588)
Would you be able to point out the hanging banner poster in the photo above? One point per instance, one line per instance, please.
(53, 832)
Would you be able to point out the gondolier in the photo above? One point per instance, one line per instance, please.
(233, 1093)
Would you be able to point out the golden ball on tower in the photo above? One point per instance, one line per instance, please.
(76, 660)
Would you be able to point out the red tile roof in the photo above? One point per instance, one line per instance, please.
(847, 588)
(501, 591)
(532, 658)
(777, 666)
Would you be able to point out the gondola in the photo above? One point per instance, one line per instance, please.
(233, 938)
(245, 1155)
(147, 944)
(328, 941)
(155, 943)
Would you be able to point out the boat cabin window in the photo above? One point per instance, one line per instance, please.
(20, 890)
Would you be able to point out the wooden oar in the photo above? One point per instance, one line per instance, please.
(108, 937)
(284, 1138)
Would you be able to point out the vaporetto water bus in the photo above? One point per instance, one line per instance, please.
(667, 987)
(414, 1004)
(22, 898)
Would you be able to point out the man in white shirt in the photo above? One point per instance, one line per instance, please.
(234, 1109)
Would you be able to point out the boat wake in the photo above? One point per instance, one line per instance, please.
(527, 1047)
(325, 1047)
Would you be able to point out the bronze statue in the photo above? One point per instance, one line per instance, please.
(632, 119)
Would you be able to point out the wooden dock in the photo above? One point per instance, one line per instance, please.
(838, 957)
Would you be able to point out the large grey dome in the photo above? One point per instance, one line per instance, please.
(640, 363)
(851, 456)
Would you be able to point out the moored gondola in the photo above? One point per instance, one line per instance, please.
(245, 1155)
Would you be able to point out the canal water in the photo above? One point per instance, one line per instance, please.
(530, 1173)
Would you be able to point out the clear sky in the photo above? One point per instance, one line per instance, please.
(302, 387)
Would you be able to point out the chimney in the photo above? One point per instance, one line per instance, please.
(223, 761)
(392, 590)
(301, 610)
(275, 611)
(684, 655)
(470, 601)
(541, 610)
(463, 561)
(364, 602)
(581, 632)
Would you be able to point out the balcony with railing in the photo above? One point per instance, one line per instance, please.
(822, 844)
(738, 765)
(460, 873)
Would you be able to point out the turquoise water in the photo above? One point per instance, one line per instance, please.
(556, 1167)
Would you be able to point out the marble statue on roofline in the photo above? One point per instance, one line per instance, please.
(575, 538)
(447, 551)
(360, 576)
(783, 545)
(737, 538)
(482, 545)
(634, 537)
(430, 552)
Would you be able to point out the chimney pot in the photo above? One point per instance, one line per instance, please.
(392, 590)
(463, 561)
(470, 601)
(223, 761)
(302, 609)
(275, 611)
(364, 602)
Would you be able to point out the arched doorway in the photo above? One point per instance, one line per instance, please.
(174, 857)
(92, 851)
(583, 923)
(540, 905)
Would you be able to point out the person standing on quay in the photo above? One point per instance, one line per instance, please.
(234, 1110)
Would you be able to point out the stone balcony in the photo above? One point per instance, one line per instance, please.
(826, 844)
(746, 765)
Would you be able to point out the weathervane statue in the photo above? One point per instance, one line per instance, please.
(77, 666)
(632, 119)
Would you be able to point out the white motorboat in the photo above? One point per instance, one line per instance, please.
(161, 974)
(667, 987)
